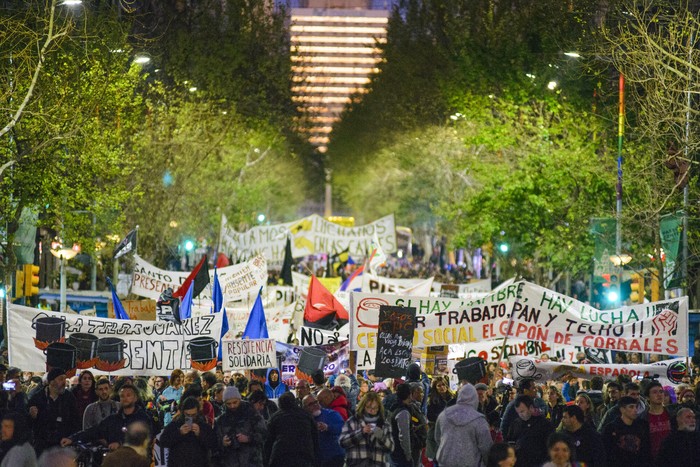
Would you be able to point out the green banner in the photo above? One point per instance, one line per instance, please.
(603, 231)
(25, 238)
(671, 227)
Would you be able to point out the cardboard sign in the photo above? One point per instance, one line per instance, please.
(248, 354)
(394, 340)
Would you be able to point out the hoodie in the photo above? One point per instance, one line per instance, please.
(273, 390)
(462, 433)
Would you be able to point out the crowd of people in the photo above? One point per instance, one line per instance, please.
(222, 419)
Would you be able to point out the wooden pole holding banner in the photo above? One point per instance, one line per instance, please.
(510, 325)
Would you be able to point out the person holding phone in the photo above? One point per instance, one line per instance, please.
(189, 437)
(240, 431)
(13, 396)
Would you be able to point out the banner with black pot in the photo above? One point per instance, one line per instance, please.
(40, 340)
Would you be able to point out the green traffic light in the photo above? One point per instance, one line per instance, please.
(189, 245)
(503, 247)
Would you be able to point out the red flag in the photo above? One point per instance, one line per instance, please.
(322, 308)
(200, 276)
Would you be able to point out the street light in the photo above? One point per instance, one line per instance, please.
(64, 254)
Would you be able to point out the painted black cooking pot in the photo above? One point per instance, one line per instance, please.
(111, 349)
(60, 355)
(49, 328)
(203, 349)
(311, 360)
(86, 345)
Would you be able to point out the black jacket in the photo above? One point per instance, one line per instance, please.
(680, 448)
(112, 428)
(530, 439)
(292, 439)
(589, 446)
(56, 419)
(189, 450)
(627, 445)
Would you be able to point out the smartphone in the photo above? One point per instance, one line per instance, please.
(189, 421)
(9, 386)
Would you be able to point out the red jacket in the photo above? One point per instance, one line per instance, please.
(340, 405)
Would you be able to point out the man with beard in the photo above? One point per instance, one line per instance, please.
(240, 432)
(682, 447)
(52, 412)
(111, 430)
(303, 389)
(189, 437)
(274, 388)
(103, 407)
(529, 432)
(329, 424)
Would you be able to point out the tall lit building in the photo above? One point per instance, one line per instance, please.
(334, 52)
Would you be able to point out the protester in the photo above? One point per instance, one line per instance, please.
(292, 439)
(367, 436)
(240, 432)
(658, 417)
(134, 451)
(408, 432)
(189, 437)
(15, 448)
(631, 390)
(103, 407)
(612, 393)
(487, 403)
(589, 443)
(84, 392)
(334, 400)
(14, 398)
(682, 447)
(527, 387)
(415, 375)
(111, 429)
(160, 383)
(589, 414)
(264, 406)
(351, 388)
(561, 451)
(303, 389)
(626, 438)
(195, 390)
(555, 405)
(501, 455)
(440, 396)
(171, 395)
(216, 394)
(529, 433)
(52, 410)
(462, 432)
(274, 388)
(329, 425)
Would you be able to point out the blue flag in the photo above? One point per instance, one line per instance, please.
(224, 330)
(186, 305)
(217, 296)
(257, 326)
(119, 311)
(218, 300)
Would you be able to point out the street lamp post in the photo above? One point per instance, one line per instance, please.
(63, 254)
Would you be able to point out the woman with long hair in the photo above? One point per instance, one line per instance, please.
(84, 392)
(555, 405)
(501, 455)
(440, 395)
(366, 436)
(583, 400)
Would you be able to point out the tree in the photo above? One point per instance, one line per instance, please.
(71, 105)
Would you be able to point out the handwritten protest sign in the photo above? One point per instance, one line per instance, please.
(115, 346)
(337, 358)
(236, 281)
(527, 311)
(394, 340)
(250, 354)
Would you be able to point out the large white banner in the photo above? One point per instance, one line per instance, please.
(38, 338)
(248, 354)
(310, 235)
(667, 372)
(415, 287)
(236, 281)
(527, 311)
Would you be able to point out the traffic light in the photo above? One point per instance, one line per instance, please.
(612, 286)
(654, 285)
(637, 288)
(31, 280)
(19, 284)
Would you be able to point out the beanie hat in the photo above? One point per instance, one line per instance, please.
(54, 373)
(231, 392)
